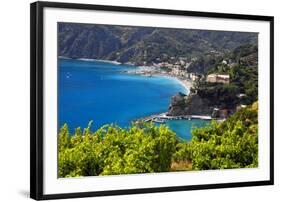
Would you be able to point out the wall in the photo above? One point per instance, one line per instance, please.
(14, 99)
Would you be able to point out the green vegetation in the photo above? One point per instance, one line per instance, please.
(243, 72)
(143, 148)
(221, 95)
(146, 148)
(243, 80)
(149, 44)
(230, 144)
(246, 80)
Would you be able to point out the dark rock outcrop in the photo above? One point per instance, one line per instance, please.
(191, 104)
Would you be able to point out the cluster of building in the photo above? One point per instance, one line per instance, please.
(178, 69)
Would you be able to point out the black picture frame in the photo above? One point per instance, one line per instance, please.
(37, 101)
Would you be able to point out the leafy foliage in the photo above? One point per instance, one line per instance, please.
(223, 95)
(243, 75)
(230, 144)
(246, 80)
(146, 148)
(142, 148)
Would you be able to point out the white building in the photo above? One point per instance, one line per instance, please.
(218, 78)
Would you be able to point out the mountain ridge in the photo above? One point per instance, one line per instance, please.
(149, 44)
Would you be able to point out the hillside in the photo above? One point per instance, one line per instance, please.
(139, 44)
(242, 67)
(184, 51)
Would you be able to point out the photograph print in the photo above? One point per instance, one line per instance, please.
(135, 100)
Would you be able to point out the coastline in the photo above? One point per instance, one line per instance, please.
(150, 71)
(186, 83)
(90, 59)
(177, 82)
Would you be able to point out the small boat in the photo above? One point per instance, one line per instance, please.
(68, 75)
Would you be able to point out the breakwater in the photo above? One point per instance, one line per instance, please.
(160, 118)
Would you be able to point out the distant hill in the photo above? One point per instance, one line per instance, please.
(138, 44)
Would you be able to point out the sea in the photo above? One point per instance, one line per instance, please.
(104, 92)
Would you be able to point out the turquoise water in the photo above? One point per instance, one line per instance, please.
(183, 127)
(105, 93)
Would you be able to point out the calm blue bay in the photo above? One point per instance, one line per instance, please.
(104, 93)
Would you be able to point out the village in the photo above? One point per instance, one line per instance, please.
(179, 69)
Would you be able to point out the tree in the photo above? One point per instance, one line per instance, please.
(142, 148)
(230, 144)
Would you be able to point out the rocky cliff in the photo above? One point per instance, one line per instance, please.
(191, 104)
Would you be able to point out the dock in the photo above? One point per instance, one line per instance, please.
(160, 118)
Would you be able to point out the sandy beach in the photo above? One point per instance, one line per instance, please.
(146, 71)
(187, 84)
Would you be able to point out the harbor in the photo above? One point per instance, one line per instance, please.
(162, 117)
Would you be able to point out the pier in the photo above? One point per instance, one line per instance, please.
(160, 118)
